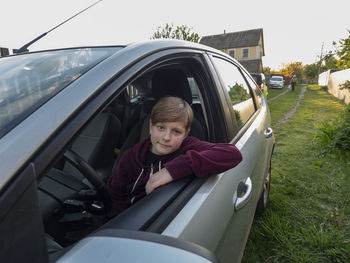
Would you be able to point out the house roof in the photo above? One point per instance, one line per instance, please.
(252, 65)
(246, 38)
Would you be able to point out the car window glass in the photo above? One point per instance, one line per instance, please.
(277, 78)
(27, 81)
(194, 88)
(237, 89)
(255, 77)
(256, 90)
(132, 91)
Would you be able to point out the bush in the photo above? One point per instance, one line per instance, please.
(345, 85)
(334, 136)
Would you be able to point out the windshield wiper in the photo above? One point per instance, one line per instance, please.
(25, 47)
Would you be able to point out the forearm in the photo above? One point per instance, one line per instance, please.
(160, 178)
(216, 159)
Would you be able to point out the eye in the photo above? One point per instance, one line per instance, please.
(177, 132)
(160, 127)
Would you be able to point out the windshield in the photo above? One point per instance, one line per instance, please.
(277, 78)
(27, 81)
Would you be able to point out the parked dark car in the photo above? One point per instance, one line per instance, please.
(66, 117)
(261, 81)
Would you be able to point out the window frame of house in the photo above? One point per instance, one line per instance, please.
(232, 51)
(243, 49)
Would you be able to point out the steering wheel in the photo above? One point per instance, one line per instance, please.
(90, 174)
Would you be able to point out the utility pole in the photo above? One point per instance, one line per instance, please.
(320, 63)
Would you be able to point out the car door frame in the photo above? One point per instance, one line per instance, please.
(196, 218)
(217, 133)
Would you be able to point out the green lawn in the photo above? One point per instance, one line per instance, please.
(274, 92)
(308, 218)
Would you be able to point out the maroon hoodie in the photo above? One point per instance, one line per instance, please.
(200, 158)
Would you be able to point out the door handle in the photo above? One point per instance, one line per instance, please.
(268, 133)
(244, 192)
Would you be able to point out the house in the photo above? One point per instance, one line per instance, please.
(4, 51)
(245, 46)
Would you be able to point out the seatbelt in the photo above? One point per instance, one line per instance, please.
(126, 117)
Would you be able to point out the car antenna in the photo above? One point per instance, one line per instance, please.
(25, 47)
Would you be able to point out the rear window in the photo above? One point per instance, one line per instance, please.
(29, 80)
(237, 89)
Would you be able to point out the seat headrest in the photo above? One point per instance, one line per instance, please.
(148, 104)
(171, 82)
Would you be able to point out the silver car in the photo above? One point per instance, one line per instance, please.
(66, 117)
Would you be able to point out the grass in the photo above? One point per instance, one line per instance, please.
(274, 92)
(308, 218)
(283, 104)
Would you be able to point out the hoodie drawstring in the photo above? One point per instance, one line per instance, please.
(138, 178)
(151, 173)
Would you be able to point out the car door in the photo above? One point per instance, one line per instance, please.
(252, 121)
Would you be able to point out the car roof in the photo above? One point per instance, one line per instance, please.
(148, 45)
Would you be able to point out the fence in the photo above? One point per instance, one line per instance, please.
(333, 80)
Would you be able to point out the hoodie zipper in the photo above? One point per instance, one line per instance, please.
(138, 178)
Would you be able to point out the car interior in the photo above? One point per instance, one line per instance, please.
(72, 194)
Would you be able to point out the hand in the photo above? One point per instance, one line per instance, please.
(159, 178)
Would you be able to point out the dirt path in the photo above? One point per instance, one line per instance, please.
(290, 113)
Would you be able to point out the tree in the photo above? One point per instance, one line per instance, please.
(238, 93)
(310, 71)
(329, 61)
(180, 32)
(266, 70)
(290, 69)
(344, 53)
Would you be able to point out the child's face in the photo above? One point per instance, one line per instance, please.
(167, 137)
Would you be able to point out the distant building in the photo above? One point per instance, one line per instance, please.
(245, 46)
(4, 51)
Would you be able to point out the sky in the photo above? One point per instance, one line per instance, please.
(294, 31)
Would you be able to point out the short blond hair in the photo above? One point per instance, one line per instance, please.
(172, 109)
